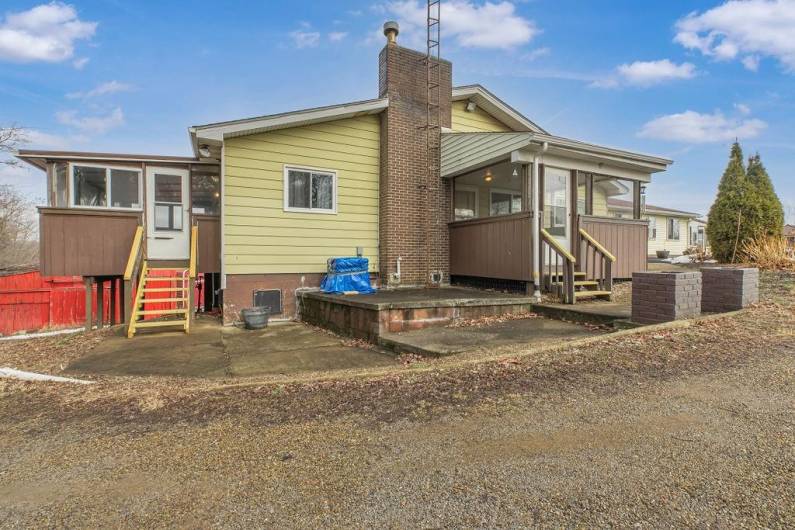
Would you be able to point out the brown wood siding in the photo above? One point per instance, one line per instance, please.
(492, 247)
(626, 239)
(209, 246)
(85, 242)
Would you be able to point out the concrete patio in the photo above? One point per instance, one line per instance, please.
(211, 350)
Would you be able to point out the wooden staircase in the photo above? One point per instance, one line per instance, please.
(178, 288)
(174, 286)
(593, 280)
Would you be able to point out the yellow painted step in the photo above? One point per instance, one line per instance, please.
(170, 269)
(164, 279)
(580, 283)
(590, 294)
(163, 312)
(163, 290)
(158, 300)
(159, 323)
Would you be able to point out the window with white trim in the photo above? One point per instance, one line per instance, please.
(106, 187)
(310, 190)
(673, 229)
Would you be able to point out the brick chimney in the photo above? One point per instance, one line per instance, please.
(407, 214)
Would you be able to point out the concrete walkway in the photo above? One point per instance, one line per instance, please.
(213, 351)
(537, 331)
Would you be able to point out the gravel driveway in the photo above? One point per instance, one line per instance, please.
(690, 427)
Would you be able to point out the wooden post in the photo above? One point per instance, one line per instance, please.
(191, 299)
(123, 310)
(100, 302)
(589, 194)
(636, 200)
(89, 283)
(112, 316)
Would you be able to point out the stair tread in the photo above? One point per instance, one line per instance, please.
(164, 279)
(161, 312)
(158, 300)
(580, 283)
(163, 289)
(159, 323)
(590, 294)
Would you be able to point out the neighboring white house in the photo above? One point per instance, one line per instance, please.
(669, 229)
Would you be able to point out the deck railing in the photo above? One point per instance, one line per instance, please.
(596, 261)
(557, 268)
(134, 263)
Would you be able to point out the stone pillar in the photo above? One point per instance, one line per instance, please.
(728, 288)
(665, 296)
(414, 205)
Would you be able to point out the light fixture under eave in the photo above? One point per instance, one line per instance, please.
(204, 151)
(488, 177)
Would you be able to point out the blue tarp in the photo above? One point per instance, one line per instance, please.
(347, 274)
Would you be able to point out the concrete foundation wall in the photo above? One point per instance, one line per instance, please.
(665, 296)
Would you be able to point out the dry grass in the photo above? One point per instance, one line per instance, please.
(769, 253)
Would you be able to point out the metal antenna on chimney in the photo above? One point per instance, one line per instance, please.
(433, 130)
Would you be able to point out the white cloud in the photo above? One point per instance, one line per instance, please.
(532, 55)
(336, 36)
(80, 63)
(47, 32)
(488, 25)
(110, 87)
(694, 127)
(92, 124)
(748, 29)
(41, 140)
(646, 73)
(742, 108)
(305, 39)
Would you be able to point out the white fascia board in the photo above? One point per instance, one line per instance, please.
(656, 162)
(219, 131)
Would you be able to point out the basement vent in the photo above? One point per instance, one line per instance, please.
(270, 298)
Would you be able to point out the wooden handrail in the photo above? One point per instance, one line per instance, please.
(194, 242)
(557, 246)
(598, 246)
(134, 251)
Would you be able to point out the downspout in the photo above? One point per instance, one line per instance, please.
(536, 222)
(223, 212)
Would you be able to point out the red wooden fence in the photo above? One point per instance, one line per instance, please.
(29, 302)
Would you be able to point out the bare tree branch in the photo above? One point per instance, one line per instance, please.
(10, 138)
(17, 229)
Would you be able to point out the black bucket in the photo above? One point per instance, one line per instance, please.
(255, 317)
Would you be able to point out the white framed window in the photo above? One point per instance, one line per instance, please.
(466, 202)
(652, 228)
(673, 229)
(504, 202)
(310, 190)
(105, 187)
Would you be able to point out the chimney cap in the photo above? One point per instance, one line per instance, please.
(391, 30)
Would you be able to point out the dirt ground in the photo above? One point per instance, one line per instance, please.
(692, 426)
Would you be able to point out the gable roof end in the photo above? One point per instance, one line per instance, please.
(216, 132)
(496, 107)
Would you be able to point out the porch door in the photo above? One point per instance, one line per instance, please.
(557, 204)
(167, 213)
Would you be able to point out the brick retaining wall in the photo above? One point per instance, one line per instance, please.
(665, 296)
(728, 288)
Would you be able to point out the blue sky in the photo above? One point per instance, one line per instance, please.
(679, 79)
